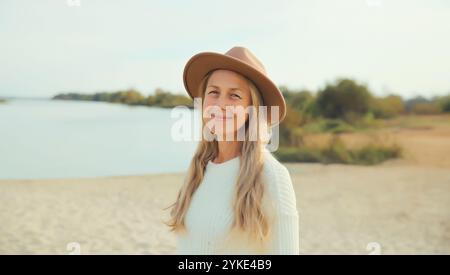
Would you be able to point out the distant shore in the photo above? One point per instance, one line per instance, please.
(161, 98)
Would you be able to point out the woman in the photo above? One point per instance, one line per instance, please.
(236, 198)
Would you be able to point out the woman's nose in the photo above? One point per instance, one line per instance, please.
(222, 103)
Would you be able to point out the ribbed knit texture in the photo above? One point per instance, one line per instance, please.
(210, 214)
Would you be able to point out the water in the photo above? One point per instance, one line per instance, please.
(67, 139)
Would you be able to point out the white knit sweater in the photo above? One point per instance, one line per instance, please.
(210, 214)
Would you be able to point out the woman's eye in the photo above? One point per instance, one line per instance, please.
(236, 96)
(213, 92)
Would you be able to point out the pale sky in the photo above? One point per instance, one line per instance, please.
(394, 46)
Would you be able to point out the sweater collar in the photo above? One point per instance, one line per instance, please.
(228, 163)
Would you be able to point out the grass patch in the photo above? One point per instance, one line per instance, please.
(339, 126)
(337, 152)
(328, 126)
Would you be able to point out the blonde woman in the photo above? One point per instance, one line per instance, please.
(236, 198)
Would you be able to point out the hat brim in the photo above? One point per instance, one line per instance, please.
(200, 64)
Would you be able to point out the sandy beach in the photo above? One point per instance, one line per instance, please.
(403, 206)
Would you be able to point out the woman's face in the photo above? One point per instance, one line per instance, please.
(226, 99)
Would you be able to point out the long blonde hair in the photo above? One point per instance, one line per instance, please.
(249, 213)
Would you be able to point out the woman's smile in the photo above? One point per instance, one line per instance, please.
(221, 117)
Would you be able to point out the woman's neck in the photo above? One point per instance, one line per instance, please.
(227, 150)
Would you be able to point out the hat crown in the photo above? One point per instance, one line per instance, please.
(245, 55)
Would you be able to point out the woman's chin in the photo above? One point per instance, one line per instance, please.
(220, 135)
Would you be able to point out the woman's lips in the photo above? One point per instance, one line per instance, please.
(221, 117)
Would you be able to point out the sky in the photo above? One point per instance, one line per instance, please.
(392, 46)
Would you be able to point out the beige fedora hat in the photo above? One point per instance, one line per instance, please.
(242, 61)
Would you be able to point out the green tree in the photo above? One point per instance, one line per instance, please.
(345, 99)
(387, 107)
(444, 103)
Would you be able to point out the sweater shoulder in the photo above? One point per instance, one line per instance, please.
(279, 185)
